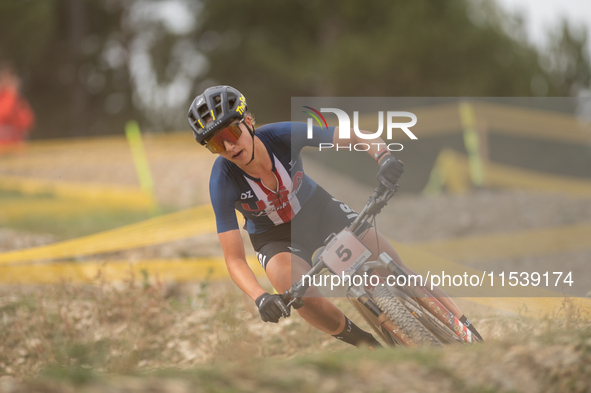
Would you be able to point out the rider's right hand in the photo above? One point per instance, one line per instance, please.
(271, 307)
(390, 170)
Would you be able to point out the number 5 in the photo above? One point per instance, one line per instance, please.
(341, 252)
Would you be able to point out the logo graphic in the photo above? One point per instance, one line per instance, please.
(316, 117)
(242, 107)
(262, 259)
(392, 120)
(246, 195)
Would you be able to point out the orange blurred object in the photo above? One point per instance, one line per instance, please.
(16, 116)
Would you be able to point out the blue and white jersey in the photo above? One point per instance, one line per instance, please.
(230, 188)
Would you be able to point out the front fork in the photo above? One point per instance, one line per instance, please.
(370, 311)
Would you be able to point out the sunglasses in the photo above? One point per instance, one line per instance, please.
(215, 144)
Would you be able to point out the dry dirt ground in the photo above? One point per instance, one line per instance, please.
(72, 334)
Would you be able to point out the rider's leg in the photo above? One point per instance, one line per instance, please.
(317, 310)
(369, 240)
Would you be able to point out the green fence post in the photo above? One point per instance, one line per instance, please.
(134, 137)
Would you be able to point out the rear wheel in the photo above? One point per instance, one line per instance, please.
(402, 317)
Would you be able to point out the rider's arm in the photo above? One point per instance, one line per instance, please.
(235, 257)
(390, 168)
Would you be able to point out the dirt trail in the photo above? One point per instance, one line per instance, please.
(99, 338)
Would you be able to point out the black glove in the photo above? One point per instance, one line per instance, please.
(390, 170)
(271, 307)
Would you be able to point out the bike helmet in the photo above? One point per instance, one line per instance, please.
(214, 110)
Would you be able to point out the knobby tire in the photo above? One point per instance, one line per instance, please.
(402, 317)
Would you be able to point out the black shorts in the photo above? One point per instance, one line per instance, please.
(320, 216)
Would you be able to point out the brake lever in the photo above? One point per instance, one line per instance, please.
(286, 297)
(296, 302)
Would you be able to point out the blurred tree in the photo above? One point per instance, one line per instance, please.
(90, 65)
(163, 61)
(273, 50)
(568, 61)
(58, 47)
(30, 23)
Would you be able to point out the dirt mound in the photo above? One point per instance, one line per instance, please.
(138, 337)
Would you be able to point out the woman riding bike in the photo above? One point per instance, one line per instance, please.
(287, 215)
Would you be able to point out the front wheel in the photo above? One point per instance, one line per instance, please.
(402, 317)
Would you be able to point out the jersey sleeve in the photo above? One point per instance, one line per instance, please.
(222, 196)
(299, 136)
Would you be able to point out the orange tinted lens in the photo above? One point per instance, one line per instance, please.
(230, 134)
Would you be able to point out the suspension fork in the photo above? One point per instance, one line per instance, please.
(363, 298)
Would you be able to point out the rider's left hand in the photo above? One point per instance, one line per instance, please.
(271, 307)
(390, 170)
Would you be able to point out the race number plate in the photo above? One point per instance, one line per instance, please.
(345, 253)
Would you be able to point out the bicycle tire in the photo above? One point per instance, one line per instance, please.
(402, 317)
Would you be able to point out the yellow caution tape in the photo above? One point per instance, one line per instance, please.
(163, 229)
(176, 270)
(103, 193)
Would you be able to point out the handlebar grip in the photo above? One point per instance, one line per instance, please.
(295, 303)
(286, 297)
(381, 189)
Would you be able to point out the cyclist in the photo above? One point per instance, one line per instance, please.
(287, 215)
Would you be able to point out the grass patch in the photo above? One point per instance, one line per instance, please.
(211, 338)
(27, 302)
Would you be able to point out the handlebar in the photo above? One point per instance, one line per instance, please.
(373, 206)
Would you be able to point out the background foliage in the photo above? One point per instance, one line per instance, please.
(88, 66)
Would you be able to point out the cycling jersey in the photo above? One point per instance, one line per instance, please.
(230, 188)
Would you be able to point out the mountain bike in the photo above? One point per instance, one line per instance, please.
(401, 311)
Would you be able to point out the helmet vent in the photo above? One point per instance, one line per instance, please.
(192, 119)
(202, 110)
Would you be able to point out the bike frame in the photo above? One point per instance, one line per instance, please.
(384, 264)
